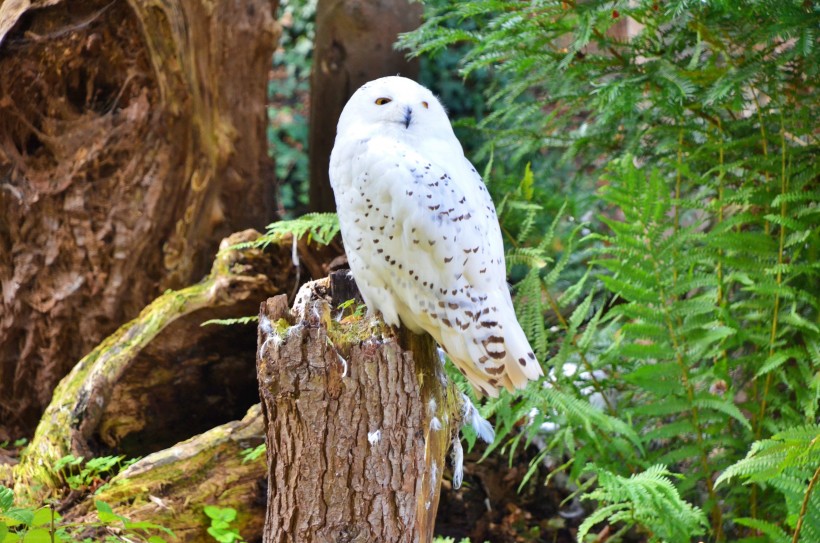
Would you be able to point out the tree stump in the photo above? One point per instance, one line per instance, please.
(358, 421)
(132, 140)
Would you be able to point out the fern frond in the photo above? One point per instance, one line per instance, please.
(648, 499)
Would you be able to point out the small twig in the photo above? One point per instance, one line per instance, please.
(805, 505)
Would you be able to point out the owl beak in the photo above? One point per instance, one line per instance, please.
(408, 115)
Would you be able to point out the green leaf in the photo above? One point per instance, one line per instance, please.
(43, 516)
(17, 516)
(775, 533)
(225, 514)
(67, 460)
(724, 406)
(37, 535)
(661, 378)
(224, 536)
(106, 514)
(6, 498)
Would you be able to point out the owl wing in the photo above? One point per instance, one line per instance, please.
(424, 244)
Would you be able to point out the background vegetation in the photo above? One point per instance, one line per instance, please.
(680, 317)
(654, 165)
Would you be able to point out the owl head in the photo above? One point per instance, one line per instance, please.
(394, 105)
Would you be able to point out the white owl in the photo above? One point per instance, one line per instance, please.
(421, 233)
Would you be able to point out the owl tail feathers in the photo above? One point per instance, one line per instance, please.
(512, 360)
(520, 363)
(491, 364)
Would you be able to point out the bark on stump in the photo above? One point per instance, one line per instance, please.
(157, 380)
(358, 422)
(132, 140)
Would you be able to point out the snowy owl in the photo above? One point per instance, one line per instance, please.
(421, 233)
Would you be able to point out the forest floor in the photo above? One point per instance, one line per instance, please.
(490, 507)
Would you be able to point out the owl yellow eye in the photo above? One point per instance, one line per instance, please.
(382, 101)
(425, 105)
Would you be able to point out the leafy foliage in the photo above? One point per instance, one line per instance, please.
(318, 227)
(288, 88)
(252, 454)
(90, 475)
(681, 317)
(45, 525)
(648, 498)
(790, 462)
(220, 528)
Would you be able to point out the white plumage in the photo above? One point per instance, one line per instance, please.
(421, 233)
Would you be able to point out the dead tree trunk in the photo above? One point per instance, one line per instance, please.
(358, 421)
(132, 139)
(354, 44)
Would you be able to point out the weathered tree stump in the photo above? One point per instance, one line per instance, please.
(160, 379)
(358, 422)
(171, 487)
(132, 140)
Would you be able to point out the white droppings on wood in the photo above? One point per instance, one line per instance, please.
(266, 327)
(433, 479)
(344, 364)
(294, 255)
(374, 437)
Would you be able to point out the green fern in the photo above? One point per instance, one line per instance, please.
(228, 322)
(648, 499)
(790, 462)
(792, 448)
(318, 227)
(690, 313)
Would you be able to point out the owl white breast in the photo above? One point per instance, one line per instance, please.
(421, 233)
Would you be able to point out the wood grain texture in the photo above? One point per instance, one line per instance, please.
(132, 140)
(353, 449)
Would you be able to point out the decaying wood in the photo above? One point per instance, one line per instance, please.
(171, 487)
(162, 377)
(132, 139)
(358, 422)
(354, 44)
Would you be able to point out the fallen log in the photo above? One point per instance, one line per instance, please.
(171, 487)
(358, 419)
(160, 379)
